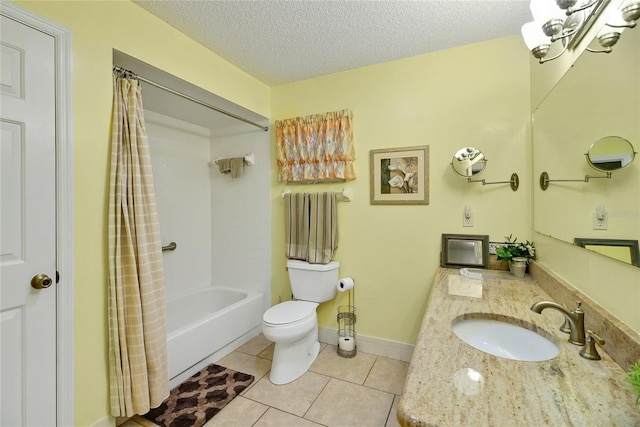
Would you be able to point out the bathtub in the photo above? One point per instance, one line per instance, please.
(203, 321)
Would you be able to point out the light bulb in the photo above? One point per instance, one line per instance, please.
(608, 30)
(545, 10)
(566, 4)
(533, 35)
(614, 18)
(630, 10)
(609, 36)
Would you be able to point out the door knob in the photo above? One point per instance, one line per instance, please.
(41, 281)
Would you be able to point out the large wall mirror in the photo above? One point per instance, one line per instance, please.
(597, 99)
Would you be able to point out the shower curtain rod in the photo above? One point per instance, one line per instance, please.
(197, 101)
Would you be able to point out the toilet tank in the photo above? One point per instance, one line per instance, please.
(313, 282)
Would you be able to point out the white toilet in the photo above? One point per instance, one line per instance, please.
(293, 325)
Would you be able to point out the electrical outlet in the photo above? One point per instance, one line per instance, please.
(468, 219)
(600, 224)
(492, 248)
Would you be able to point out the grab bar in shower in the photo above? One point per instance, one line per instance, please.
(170, 247)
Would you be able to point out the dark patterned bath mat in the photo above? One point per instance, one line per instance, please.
(199, 398)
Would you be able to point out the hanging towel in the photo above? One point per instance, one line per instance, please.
(296, 229)
(323, 227)
(224, 165)
(237, 167)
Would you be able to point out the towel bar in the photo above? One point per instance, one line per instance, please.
(344, 196)
(249, 159)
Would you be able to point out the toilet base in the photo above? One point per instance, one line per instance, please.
(292, 359)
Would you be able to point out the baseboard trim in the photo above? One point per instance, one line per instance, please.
(366, 344)
(109, 421)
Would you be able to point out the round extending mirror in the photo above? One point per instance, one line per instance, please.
(468, 162)
(610, 153)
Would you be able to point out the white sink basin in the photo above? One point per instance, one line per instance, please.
(504, 339)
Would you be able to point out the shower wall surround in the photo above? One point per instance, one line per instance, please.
(179, 155)
(241, 213)
(221, 225)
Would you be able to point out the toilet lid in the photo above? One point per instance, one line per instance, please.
(289, 312)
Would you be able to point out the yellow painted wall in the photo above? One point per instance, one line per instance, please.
(545, 76)
(475, 95)
(99, 27)
(621, 253)
(612, 284)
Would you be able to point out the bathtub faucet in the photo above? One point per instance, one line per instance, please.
(575, 318)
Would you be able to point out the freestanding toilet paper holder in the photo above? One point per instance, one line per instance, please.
(346, 329)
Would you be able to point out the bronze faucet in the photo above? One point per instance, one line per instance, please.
(575, 318)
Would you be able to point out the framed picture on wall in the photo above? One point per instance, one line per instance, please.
(399, 176)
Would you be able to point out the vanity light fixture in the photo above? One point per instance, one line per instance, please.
(618, 20)
(569, 20)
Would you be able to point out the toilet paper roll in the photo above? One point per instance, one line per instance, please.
(347, 343)
(345, 284)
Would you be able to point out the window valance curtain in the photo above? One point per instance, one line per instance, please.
(316, 148)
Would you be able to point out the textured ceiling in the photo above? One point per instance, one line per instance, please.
(283, 41)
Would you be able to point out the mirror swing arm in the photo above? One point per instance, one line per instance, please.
(514, 182)
(620, 157)
(544, 179)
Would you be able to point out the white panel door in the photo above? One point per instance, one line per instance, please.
(28, 227)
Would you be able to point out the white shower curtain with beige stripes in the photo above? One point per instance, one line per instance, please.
(137, 314)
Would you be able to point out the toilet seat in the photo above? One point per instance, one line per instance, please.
(289, 313)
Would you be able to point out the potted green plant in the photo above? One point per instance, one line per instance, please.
(517, 254)
(633, 377)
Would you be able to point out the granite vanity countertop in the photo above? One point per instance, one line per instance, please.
(450, 383)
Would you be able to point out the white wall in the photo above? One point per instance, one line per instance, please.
(222, 226)
(180, 155)
(240, 211)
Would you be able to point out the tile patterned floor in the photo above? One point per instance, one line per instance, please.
(335, 392)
